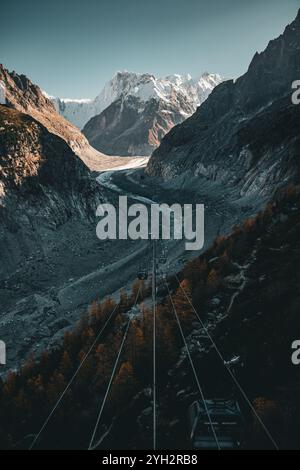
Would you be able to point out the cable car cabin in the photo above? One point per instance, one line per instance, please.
(162, 259)
(227, 421)
(143, 275)
(161, 290)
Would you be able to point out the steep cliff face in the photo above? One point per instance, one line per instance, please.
(48, 200)
(143, 109)
(245, 133)
(139, 85)
(128, 128)
(20, 93)
(43, 186)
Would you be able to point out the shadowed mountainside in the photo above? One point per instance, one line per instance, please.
(246, 132)
(21, 94)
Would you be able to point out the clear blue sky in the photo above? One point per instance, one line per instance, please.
(71, 48)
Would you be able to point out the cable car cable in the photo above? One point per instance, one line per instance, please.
(71, 380)
(194, 371)
(229, 370)
(154, 342)
(91, 446)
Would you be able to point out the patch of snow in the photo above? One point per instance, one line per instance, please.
(50, 97)
(143, 86)
(77, 101)
(107, 164)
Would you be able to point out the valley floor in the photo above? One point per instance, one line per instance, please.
(47, 294)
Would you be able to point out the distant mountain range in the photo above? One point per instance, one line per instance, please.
(129, 117)
(134, 111)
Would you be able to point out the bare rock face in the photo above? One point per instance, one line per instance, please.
(40, 178)
(48, 197)
(245, 134)
(48, 200)
(125, 130)
(20, 93)
(143, 109)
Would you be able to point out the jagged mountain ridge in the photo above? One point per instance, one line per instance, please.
(139, 85)
(147, 108)
(18, 92)
(134, 111)
(48, 201)
(40, 175)
(237, 135)
(129, 129)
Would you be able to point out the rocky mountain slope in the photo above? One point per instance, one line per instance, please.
(43, 184)
(245, 290)
(246, 132)
(129, 128)
(18, 92)
(144, 86)
(146, 109)
(134, 111)
(48, 200)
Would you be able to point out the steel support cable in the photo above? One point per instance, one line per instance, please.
(154, 343)
(195, 373)
(242, 391)
(72, 379)
(91, 446)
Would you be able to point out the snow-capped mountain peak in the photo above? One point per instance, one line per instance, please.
(141, 86)
(139, 109)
